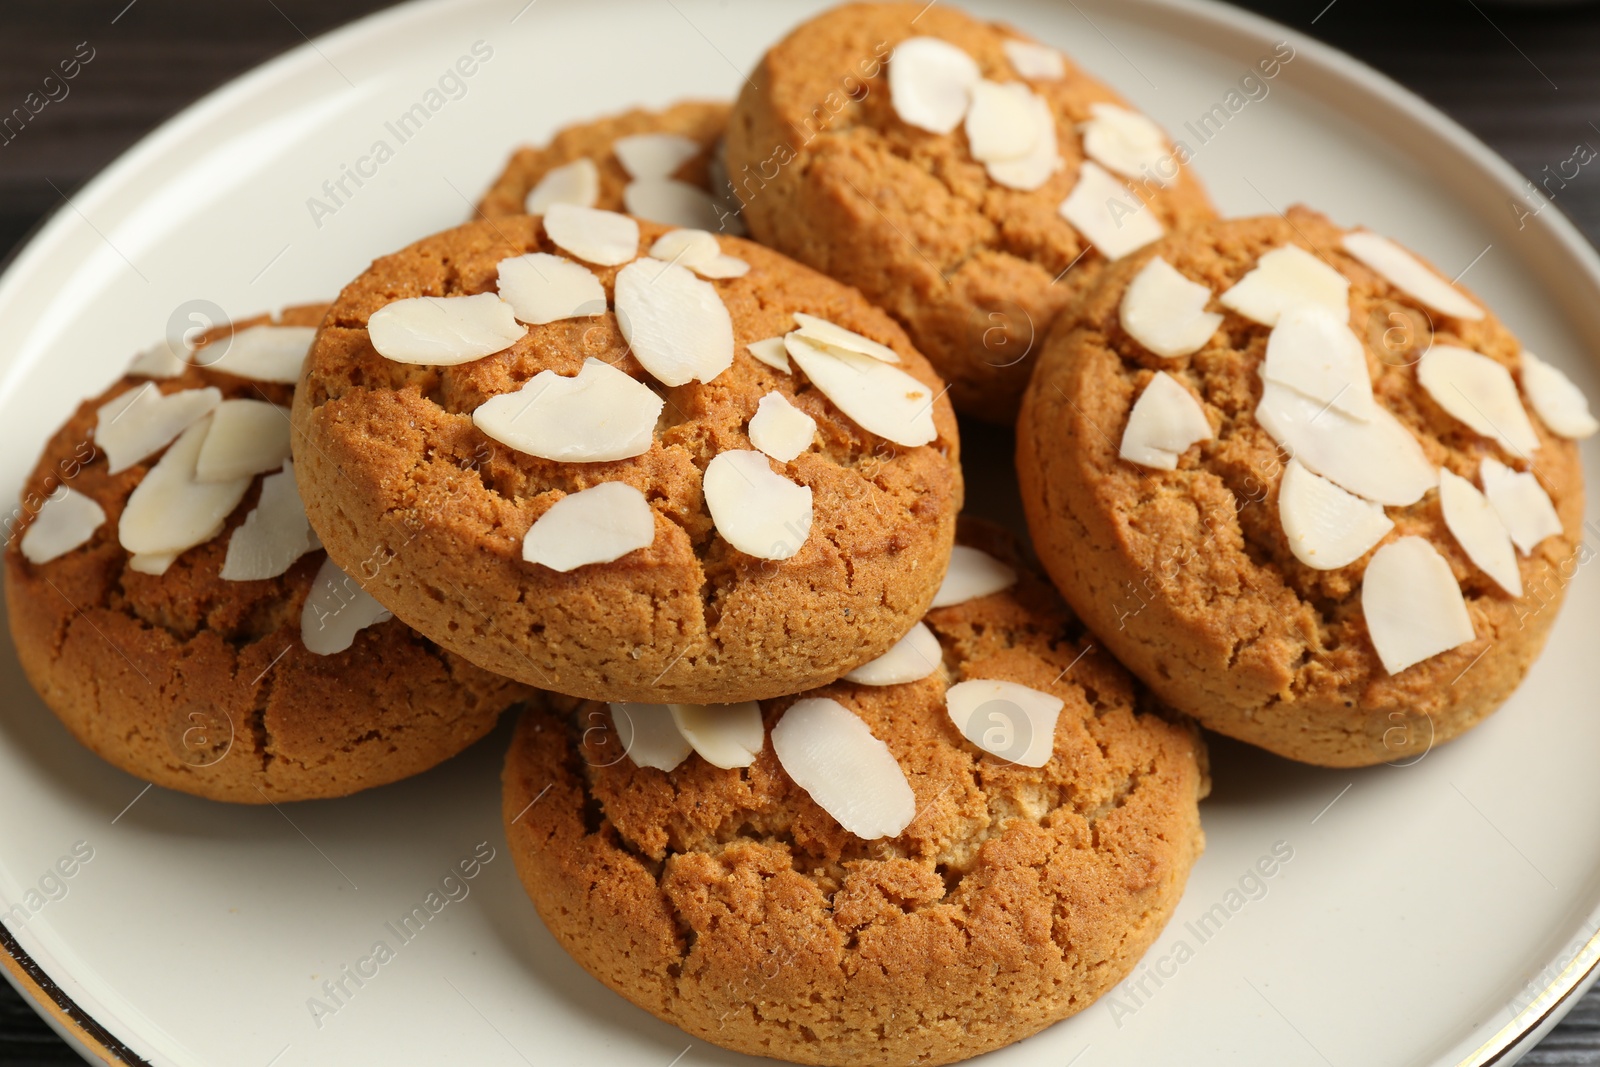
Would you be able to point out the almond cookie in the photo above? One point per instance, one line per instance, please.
(1314, 494)
(843, 876)
(972, 185)
(755, 494)
(222, 655)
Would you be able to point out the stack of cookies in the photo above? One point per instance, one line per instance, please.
(808, 763)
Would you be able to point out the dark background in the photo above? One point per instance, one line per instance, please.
(1525, 79)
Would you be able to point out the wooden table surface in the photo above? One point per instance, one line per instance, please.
(1522, 78)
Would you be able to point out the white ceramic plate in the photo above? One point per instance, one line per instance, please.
(1430, 914)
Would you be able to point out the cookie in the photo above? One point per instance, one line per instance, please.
(875, 178)
(737, 535)
(732, 904)
(200, 683)
(1346, 560)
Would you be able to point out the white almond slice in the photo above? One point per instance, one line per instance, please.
(649, 735)
(1408, 274)
(1126, 142)
(158, 361)
(596, 416)
(654, 155)
(576, 184)
(1031, 171)
(444, 331)
(829, 335)
(596, 525)
(1521, 502)
(678, 327)
(972, 573)
(1413, 606)
(930, 83)
(1285, 278)
(1313, 350)
(773, 352)
(247, 437)
(1001, 121)
(913, 658)
(723, 267)
(1477, 528)
(1036, 61)
(1166, 312)
(152, 563)
(780, 429)
(1164, 422)
(671, 203)
(336, 609)
(725, 735)
(169, 511)
(133, 426)
(1108, 214)
(1556, 400)
(830, 753)
(881, 399)
(63, 523)
(273, 535)
(755, 509)
(699, 251)
(1005, 719)
(605, 238)
(1327, 527)
(542, 288)
(1479, 392)
(1377, 459)
(262, 353)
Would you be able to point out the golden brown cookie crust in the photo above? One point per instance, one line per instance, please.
(391, 465)
(203, 685)
(1188, 575)
(975, 271)
(729, 904)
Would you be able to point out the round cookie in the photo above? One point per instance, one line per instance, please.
(389, 457)
(729, 903)
(975, 271)
(205, 685)
(1188, 574)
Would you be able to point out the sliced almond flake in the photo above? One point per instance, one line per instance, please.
(881, 399)
(1001, 123)
(159, 361)
(1126, 142)
(830, 335)
(576, 184)
(1556, 400)
(1166, 312)
(725, 735)
(1036, 61)
(649, 735)
(261, 353)
(1011, 721)
(1030, 172)
(152, 563)
(1314, 351)
(913, 658)
(1478, 391)
(972, 573)
(780, 429)
(1327, 528)
(755, 509)
(1377, 459)
(336, 609)
(1285, 278)
(133, 426)
(1164, 422)
(1521, 502)
(273, 535)
(1408, 274)
(771, 351)
(247, 437)
(598, 415)
(1108, 214)
(605, 238)
(444, 331)
(830, 753)
(699, 251)
(169, 511)
(1477, 528)
(671, 203)
(930, 83)
(654, 155)
(1413, 606)
(542, 288)
(596, 525)
(678, 327)
(63, 523)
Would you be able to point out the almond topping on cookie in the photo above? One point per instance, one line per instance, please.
(596, 525)
(1001, 122)
(881, 399)
(1377, 459)
(1521, 503)
(170, 511)
(1164, 422)
(158, 361)
(780, 429)
(1036, 61)
(1029, 172)
(542, 288)
(755, 509)
(828, 335)
(698, 250)
(972, 573)
(1408, 274)
(654, 155)
(1412, 604)
(1285, 278)
(930, 83)
(1108, 214)
(1479, 392)
(605, 238)
(1556, 400)
(134, 425)
(678, 327)
(852, 775)
(598, 415)
(725, 735)
(247, 437)
(913, 658)
(261, 353)
(671, 203)
(1327, 528)
(444, 331)
(1005, 719)
(273, 535)
(576, 184)
(62, 524)
(772, 352)
(336, 609)
(1313, 351)
(1126, 143)
(1166, 312)
(1477, 528)
(156, 563)
(649, 735)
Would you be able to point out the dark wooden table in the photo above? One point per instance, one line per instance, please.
(1524, 79)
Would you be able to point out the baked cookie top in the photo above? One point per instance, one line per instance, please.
(556, 511)
(969, 180)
